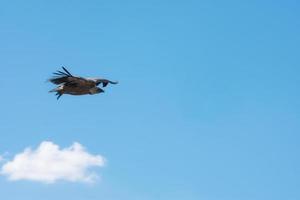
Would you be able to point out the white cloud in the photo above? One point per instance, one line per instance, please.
(48, 164)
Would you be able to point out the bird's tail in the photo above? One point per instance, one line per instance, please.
(53, 90)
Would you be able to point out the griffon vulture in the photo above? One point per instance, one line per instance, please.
(75, 85)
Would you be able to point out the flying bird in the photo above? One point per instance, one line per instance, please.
(75, 85)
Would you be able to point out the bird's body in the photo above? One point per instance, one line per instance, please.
(73, 85)
(64, 89)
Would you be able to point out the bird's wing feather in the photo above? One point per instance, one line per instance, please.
(72, 81)
(79, 82)
(65, 77)
(67, 71)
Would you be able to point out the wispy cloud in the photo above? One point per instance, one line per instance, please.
(49, 163)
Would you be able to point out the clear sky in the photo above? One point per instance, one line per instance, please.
(207, 106)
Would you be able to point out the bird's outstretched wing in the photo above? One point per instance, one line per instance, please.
(66, 78)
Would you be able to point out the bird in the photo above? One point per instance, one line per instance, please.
(76, 85)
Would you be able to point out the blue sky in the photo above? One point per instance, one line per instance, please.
(207, 105)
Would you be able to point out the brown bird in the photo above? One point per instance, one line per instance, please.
(75, 85)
